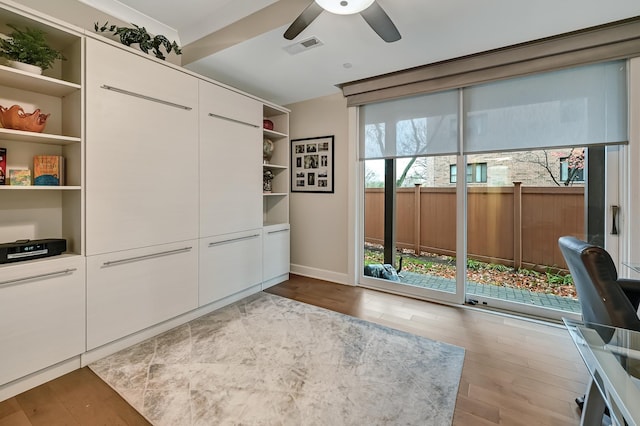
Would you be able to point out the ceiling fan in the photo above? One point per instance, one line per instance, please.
(370, 10)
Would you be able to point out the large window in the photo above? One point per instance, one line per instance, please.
(476, 173)
(571, 170)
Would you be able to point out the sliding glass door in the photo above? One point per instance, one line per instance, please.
(410, 227)
(410, 215)
(466, 192)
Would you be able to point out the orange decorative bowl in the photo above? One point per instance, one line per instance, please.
(15, 118)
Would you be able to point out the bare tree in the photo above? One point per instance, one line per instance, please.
(412, 140)
(574, 160)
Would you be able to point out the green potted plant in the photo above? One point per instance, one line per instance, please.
(139, 35)
(29, 47)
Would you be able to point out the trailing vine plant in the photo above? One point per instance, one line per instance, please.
(139, 35)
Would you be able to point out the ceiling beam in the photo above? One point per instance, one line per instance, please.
(264, 20)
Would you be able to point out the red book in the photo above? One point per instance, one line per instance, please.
(3, 166)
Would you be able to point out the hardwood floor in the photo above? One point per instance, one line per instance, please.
(516, 372)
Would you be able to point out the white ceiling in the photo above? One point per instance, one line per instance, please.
(432, 30)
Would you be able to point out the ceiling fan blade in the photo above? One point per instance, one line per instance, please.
(306, 17)
(380, 22)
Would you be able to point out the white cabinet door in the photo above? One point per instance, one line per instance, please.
(230, 163)
(218, 100)
(276, 252)
(132, 290)
(141, 151)
(229, 264)
(42, 308)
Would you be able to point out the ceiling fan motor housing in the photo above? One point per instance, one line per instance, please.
(344, 7)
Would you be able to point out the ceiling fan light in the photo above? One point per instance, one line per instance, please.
(344, 7)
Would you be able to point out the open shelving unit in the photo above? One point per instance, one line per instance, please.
(34, 212)
(276, 203)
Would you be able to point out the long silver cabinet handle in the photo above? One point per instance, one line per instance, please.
(233, 120)
(146, 256)
(36, 277)
(278, 231)
(141, 96)
(233, 240)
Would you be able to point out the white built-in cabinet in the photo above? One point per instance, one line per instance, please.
(131, 290)
(275, 204)
(229, 264)
(142, 151)
(230, 181)
(42, 314)
(42, 302)
(230, 193)
(142, 193)
(275, 266)
(163, 208)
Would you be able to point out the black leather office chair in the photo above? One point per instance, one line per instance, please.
(604, 298)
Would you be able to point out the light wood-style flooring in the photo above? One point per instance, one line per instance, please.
(516, 372)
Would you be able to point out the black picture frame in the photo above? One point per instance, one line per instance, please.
(312, 165)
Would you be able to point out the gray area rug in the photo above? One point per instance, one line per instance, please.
(268, 360)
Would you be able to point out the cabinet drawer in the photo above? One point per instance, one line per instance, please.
(132, 290)
(229, 264)
(276, 251)
(42, 307)
(226, 103)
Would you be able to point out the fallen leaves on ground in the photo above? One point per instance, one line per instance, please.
(444, 267)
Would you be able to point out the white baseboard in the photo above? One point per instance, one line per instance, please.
(274, 281)
(25, 383)
(321, 274)
(123, 343)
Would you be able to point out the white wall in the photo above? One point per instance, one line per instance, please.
(320, 222)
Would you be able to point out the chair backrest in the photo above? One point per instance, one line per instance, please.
(594, 274)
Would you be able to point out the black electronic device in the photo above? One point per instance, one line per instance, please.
(31, 249)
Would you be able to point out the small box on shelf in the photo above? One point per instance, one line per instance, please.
(20, 177)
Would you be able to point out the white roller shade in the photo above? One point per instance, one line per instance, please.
(416, 126)
(573, 107)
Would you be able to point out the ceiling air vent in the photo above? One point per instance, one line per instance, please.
(303, 45)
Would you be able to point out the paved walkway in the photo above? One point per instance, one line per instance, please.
(505, 293)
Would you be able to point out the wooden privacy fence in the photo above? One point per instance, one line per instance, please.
(514, 226)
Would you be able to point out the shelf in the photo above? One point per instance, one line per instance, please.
(275, 194)
(38, 188)
(278, 224)
(273, 133)
(32, 137)
(274, 166)
(35, 83)
(65, 255)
